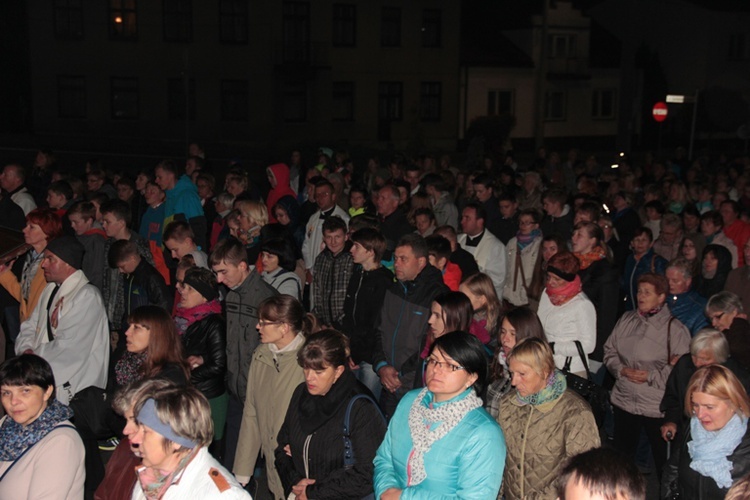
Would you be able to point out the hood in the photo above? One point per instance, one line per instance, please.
(281, 173)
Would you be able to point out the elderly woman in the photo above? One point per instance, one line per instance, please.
(273, 377)
(725, 312)
(708, 347)
(174, 430)
(640, 354)
(641, 260)
(441, 443)
(567, 315)
(311, 456)
(715, 453)
(41, 454)
(544, 422)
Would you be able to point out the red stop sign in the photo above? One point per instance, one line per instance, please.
(660, 111)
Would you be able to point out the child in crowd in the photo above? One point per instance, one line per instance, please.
(424, 220)
(223, 204)
(93, 238)
(654, 212)
(180, 241)
(60, 197)
(331, 273)
(439, 250)
(357, 201)
(487, 307)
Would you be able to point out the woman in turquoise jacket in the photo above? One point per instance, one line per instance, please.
(441, 443)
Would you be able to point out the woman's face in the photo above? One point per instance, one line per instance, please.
(554, 281)
(137, 337)
(25, 403)
(582, 242)
(272, 332)
(688, 249)
(131, 427)
(282, 217)
(423, 223)
(445, 377)
(234, 188)
(270, 261)
(478, 302)
(33, 234)
(648, 300)
(549, 248)
(713, 413)
(507, 336)
(641, 244)
(319, 382)
(526, 224)
(151, 447)
(190, 297)
(722, 320)
(247, 222)
(525, 379)
(710, 263)
(437, 320)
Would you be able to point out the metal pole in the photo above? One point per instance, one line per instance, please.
(692, 126)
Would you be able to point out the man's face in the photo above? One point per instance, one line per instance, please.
(406, 265)
(508, 208)
(128, 265)
(324, 198)
(412, 177)
(112, 225)
(8, 179)
(552, 207)
(385, 202)
(94, 183)
(669, 235)
(165, 179)
(55, 200)
(55, 269)
(678, 283)
(727, 214)
(469, 222)
(153, 195)
(360, 254)
(232, 276)
(124, 192)
(482, 192)
(178, 249)
(79, 224)
(204, 189)
(334, 240)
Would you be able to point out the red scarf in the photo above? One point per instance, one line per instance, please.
(560, 295)
(588, 258)
(186, 317)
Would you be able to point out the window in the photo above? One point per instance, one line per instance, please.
(429, 102)
(603, 104)
(178, 20)
(233, 21)
(390, 27)
(68, 19)
(181, 100)
(124, 98)
(390, 100)
(295, 102)
(235, 100)
(342, 103)
(296, 32)
(431, 28)
(500, 102)
(739, 46)
(71, 96)
(344, 25)
(554, 106)
(562, 46)
(123, 20)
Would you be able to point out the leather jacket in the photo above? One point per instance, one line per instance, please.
(207, 338)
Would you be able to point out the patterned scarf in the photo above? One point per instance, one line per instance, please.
(525, 240)
(588, 258)
(186, 317)
(555, 387)
(30, 268)
(15, 438)
(560, 295)
(422, 422)
(710, 449)
(156, 482)
(652, 312)
(128, 367)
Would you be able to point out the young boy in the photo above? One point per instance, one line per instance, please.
(654, 212)
(424, 220)
(331, 273)
(180, 241)
(59, 197)
(439, 253)
(93, 238)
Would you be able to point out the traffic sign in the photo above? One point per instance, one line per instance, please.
(660, 111)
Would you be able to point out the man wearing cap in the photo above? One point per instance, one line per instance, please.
(68, 326)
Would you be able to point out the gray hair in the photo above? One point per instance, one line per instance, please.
(712, 340)
(226, 199)
(126, 397)
(683, 265)
(727, 302)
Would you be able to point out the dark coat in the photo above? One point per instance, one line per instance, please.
(393, 228)
(208, 338)
(738, 336)
(599, 283)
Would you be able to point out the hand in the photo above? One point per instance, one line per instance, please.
(195, 361)
(389, 378)
(28, 351)
(673, 361)
(668, 427)
(639, 376)
(391, 494)
(299, 488)
(288, 450)
(308, 277)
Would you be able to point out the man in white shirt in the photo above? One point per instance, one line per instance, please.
(488, 251)
(12, 180)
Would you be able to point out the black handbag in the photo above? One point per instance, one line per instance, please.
(596, 395)
(90, 410)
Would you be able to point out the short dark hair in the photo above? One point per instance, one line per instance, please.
(604, 472)
(531, 212)
(28, 369)
(168, 166)
(120, 209)
(229, 251)
(644, 230)
(556, 195)
(424, 211)
(736, 208)
(323, 349)
(507, 196)
(363, 221)
(283, 249)
(713, 216)
(434, 180)
(178, 230)
(592, 208)
(484, 180)
(371, 240)
(656, 205)
(416, 243)
(438, 246)
(466, 350)
(62, 188)
(86, 209)
(334, 223)
(479, 210)
(121, 250)
(325, 183)
(126, 181)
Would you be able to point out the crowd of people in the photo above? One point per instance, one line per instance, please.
(410, 330)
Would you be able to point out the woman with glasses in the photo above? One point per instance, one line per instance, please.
(524, 257)
(274, 375)
(440, 442)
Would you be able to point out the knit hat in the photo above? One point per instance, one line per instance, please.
(68, 249)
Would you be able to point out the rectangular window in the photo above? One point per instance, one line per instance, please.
(431, 21)
(178, 20)
(429, 102)
(554, 106)
(342, 103)
(390, 27)
(123, 20)
(124, 98)
(235, 100)
(344, 25)
(390, 100)
(295, 102)
(68, 19)
(604, 104)
(181, 99)
(739, 46)
(233, 18)
(71, 96)
(562, 46)
(500, 102)
(296, 32)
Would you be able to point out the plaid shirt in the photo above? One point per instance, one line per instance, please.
(330, 278)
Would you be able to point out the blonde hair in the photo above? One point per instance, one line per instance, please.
(721, 383)
(481, 285)
(536, 353)
(254, 210)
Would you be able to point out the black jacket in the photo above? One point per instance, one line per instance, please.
(208, 338)
(321, 419)
(393, 228)
(600, 283)
(364, 296)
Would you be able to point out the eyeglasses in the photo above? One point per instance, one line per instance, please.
(717, 317)
(443, 365)
(262, 323)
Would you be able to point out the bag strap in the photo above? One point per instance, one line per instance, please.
(30, 447)
(582, 355)
(669, 339)
(349, 458)
(653, 257)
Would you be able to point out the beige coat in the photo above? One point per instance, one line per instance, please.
(270, 385)
(539, 439)
(515, 284)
